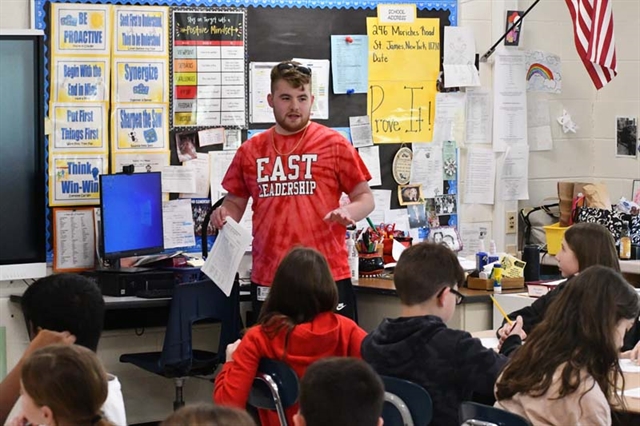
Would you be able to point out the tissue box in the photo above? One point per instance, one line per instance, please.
(487, 284)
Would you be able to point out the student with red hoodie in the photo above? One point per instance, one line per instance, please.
(296, 325)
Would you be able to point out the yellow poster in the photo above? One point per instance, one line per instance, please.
(141, 126)
(141, 30)
(404, 62)
(76, 79)
(73, 179)
(79, 127)
(80, 29)
(140, 80)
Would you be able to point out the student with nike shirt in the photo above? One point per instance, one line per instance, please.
(295, 173)
(297, 325)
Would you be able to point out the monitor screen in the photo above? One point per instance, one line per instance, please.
(131, 214)
(22, 172)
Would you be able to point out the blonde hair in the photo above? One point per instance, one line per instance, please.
(70, 380)
(208, 415)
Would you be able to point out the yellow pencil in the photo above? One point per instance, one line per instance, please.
(504, 314)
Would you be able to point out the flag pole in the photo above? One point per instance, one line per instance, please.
(492, 49)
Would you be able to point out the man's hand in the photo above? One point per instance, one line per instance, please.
(219, 217)
(231, 348)
(633, 354)
(341, 216)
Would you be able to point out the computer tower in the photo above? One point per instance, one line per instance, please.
(116, 283)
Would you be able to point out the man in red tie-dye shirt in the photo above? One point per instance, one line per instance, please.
(295, 173)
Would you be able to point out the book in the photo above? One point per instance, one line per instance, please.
(540, 288)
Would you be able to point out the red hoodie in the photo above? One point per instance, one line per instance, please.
(327, 335)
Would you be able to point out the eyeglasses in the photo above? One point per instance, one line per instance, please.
(286, 66)
(459, 296)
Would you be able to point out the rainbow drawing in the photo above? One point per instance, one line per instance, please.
(537, 68)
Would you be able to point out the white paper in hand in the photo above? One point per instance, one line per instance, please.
(223, 261)
(396, 250)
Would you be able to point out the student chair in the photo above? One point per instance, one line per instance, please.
(474, 414)
(275, 387)
(191, 303)
(405, 403)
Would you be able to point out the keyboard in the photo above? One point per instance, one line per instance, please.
(156, 293)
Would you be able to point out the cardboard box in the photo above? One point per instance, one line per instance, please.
(487, 284)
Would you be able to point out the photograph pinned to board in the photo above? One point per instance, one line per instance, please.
(432, 216)
(186, 143)
(410, 194)
(417, 216)
(544, 72)
(627, 136)
(513, 37)
(446, 204)
(447, 235)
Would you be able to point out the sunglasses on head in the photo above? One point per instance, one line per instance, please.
(286, 66)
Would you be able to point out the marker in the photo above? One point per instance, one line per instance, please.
(504, 314)
(372, 226)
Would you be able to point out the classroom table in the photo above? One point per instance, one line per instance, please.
(631, 380)
(377, 299)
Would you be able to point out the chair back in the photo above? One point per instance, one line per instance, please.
(405, 403)
(275, 387)
(193, 302)
(474, 414)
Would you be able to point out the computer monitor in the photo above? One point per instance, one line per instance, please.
(131, 215)
(22, 160)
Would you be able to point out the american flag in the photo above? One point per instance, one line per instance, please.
(593, 33)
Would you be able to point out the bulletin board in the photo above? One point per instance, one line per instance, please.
(279, 30)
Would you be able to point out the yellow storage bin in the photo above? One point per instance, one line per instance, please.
(555, 234)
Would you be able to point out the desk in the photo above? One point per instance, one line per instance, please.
(631, 380)
(134, 312)
(377, 299)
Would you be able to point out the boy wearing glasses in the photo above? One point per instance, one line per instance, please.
(450, 364)
(295, 173)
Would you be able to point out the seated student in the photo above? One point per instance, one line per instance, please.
(584, 245)
(297, 325)
(208, 415)
(10, 386)
(63, 385)
(72, 303)
(568, 371)
(450, 364)
(340, 392)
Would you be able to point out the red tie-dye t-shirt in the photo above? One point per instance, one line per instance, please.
(293, 192)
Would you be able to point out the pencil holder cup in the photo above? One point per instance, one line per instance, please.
(371, 264)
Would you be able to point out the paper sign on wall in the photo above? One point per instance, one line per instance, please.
(80, 29)
(74, 179)
(140, 127)
(79, 127)
(80, 80)
(400, 104)
(140, 80)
